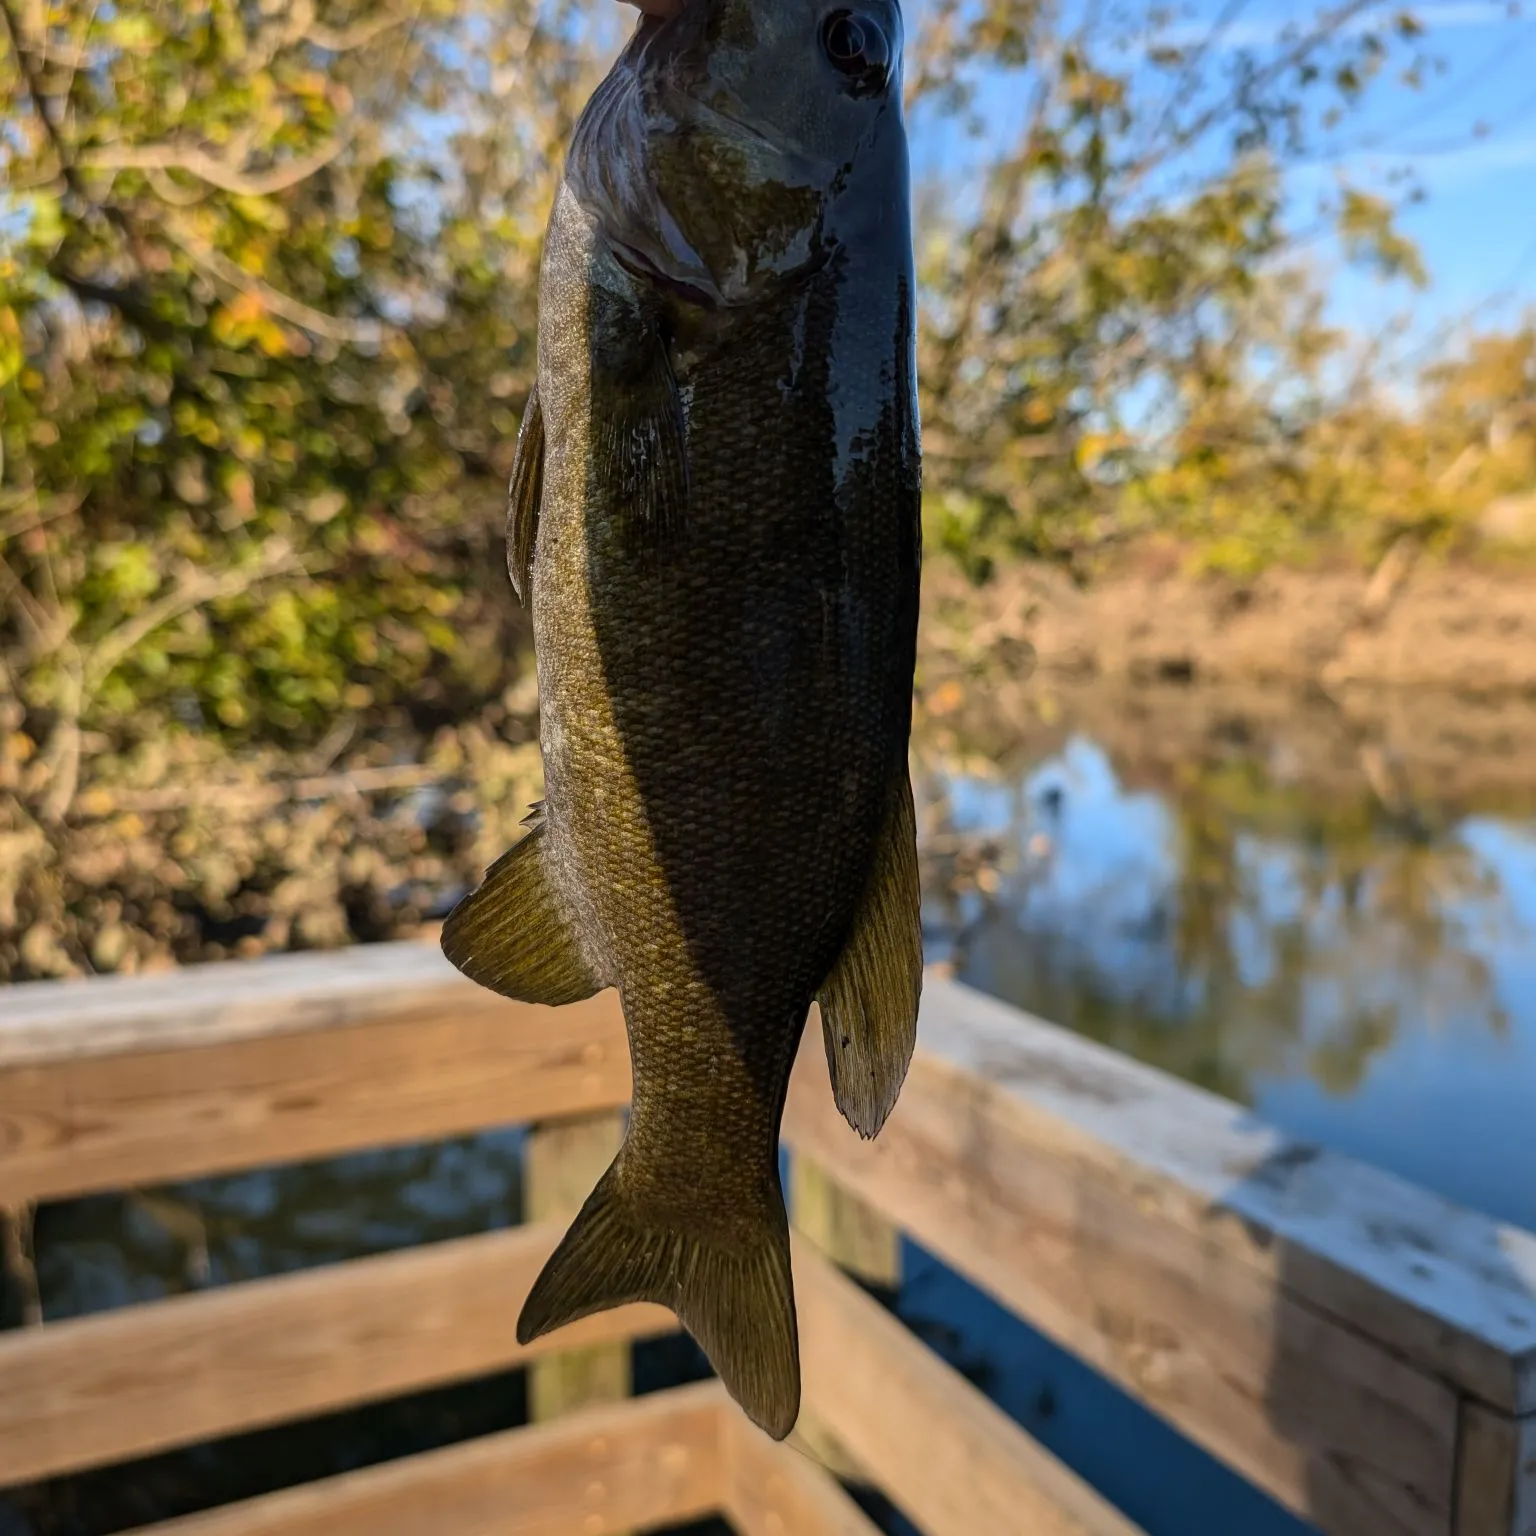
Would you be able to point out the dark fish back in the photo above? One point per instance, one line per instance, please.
(760, 675)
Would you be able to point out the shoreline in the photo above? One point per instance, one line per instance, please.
(1447, 627)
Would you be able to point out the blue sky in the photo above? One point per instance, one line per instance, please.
(1468, 133)
(1477, 225)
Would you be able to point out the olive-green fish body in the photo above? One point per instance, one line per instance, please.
(715, 514)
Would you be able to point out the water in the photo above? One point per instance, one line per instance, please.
(1354, 959)
(1358, 980)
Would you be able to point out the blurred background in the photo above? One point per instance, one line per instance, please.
(1226, 728)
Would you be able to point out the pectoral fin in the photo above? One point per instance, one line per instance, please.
(510, 935)
(639, 442)
(869, 1001)
(523, 495)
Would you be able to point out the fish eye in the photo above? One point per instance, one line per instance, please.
(858, 50)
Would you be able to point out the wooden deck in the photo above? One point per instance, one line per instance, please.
(1359, 1349)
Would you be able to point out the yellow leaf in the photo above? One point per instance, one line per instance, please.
(12, 355)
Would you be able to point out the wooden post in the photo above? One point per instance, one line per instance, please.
(562, 1160)
(17, 1258)
(856, 1239)
(1496, 1475)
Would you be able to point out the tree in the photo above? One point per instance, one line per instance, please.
(267, 319)
(1132, 268)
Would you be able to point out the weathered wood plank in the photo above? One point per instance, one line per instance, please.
(600, 1472)
(771, 1490)
(1445, 1287)
(562, 1160)
(224, 1001)
(121, 1384)
(1096, 1196)
(858, 1241)
(955, 1463)
(1496, 1478)
(464, 1062)
(1121, 1262)
(1487, 1461)
(852, 1235)
(1442, 1286)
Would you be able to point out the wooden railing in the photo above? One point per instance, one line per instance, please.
(1361, 1350)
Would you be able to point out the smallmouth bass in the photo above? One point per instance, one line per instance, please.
(715, 518)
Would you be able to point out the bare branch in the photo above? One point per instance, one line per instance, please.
(216, 171)
(242, 797)
(130, 300)
(1330, 26)
(358, 35)
(35, 515)
(192, 591)
(219, 267)
(33, 80)
(176, 196)
(1191, 70)
(62, 754)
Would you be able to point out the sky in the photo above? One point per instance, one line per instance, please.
(1468, 132)
(1477, 225)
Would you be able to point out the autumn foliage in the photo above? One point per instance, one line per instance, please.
(267, 319)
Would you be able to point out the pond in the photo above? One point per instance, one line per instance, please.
(1361, 974)
(1246, 902)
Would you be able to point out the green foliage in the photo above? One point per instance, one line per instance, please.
(267, 317)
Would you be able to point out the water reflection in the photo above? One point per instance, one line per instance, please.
(1360, 975)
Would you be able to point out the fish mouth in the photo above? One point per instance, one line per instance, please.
(650, 95)
(664, 92)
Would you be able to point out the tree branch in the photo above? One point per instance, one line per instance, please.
(104, 213)
(131, 301)
(192, 591)
(32, 78)
(217, 172)
(219, 267)
(240, 797)
(358, 35)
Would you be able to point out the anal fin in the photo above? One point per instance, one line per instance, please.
(869, 1000)
(510, 935)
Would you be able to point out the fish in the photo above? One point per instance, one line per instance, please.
(715, 518)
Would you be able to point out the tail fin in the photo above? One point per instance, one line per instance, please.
(736, 1298)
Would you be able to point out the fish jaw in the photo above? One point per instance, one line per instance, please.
(645, 149)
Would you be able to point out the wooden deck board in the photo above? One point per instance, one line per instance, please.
(1496, 1481)
(600, 1472)
(954, 1463)
(1002, 1110)
(225, 1001)
(466, 1062)
(1324, 1419)
(144, 1378)
(775, 1490)
(1312, 1321)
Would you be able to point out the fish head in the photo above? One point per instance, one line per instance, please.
(732, 142)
